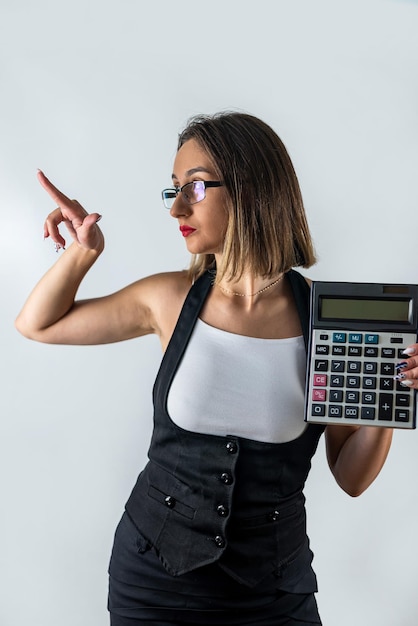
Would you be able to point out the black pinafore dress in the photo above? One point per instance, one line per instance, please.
(195, 548)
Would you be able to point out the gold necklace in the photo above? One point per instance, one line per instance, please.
(249, 295)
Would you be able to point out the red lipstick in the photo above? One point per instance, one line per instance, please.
(186, 230)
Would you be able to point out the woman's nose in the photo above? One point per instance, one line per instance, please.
(180, 207)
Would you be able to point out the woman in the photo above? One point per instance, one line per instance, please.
(214, 530)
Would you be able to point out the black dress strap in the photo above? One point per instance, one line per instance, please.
(301, 292)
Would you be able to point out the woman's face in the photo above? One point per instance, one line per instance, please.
(204, 224)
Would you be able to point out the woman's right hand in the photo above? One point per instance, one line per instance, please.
(81, 225)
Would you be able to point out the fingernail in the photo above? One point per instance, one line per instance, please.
(400, 366)
(407, 383)
(99, 218)
(409, 351)
(399, 376)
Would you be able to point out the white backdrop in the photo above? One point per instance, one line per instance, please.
(94, 92)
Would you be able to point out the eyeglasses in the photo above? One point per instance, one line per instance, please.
(192, 192)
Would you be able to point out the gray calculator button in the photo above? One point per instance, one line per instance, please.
(402, 399)
(337, 366)
(335, 411)
(387, 369)
(322, 349)
(369, 382)
(352, 397)
(371, 352)
(401, 415)
(388, 353)
(351, 412)
(353, 366)
(368, 413)
(318, 410)
(336, 381)
(385, 406)
(368, 397)
(386, 384)
(370, 368)
(355, 350)
(335, 395)
(353, 381)
(339, 350)
(321, 365)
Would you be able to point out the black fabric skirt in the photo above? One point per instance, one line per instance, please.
(142, 592)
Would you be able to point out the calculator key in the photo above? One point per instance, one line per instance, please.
(388, 353)
(319, 395)
(337, 366)
(355, 351)
(401, 415)
(371, 339)
(323, 337)
(335, 395)
(339, 337)
(401, 355)
(385, 406)
(369, 382)
(320, 380)
(386, 384)
(355, 338)
(368, 413)
(337, 381)
(352, 397)
(387, 369)
(368, 397)
(335, 411)
(402, 388)
(371, 352)
(321, 365)
(338, 350)
(402, 399)
(320, 349)
(353, 381)
(370, 368)
(354, 366)
(351, 412)
(318, 410)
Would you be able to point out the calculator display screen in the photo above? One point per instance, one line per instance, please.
(388, 310)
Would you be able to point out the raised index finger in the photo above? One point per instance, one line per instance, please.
(59, 198)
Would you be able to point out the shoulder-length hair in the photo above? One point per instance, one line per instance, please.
(267, 230)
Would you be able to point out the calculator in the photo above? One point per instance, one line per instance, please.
(358, 332)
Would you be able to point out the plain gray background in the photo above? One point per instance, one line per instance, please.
(94, 93)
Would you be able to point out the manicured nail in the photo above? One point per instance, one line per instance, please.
(99, 218)
(409, 351)
(400, 366)
(407, 383)
(399, 376)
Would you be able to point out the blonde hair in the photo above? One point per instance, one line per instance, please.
(267, 230)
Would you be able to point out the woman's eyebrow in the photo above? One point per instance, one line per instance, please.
(200, 168)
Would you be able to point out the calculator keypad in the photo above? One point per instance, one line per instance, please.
(351, 379)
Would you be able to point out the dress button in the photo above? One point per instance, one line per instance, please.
(170, 502)
(274, 516)
(222, 510)
(232, 447)
(226, 478)
(220, 541)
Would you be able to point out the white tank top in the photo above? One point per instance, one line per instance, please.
(229, 384)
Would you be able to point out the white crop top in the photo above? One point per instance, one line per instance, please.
(229, 384)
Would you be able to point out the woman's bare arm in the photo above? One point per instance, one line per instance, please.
(51, 314)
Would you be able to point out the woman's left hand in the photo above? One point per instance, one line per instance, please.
(407, 370)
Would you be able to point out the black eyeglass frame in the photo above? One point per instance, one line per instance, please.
(171, 193)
